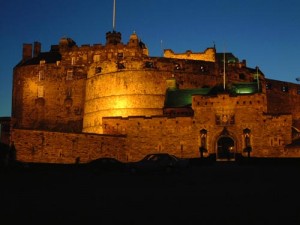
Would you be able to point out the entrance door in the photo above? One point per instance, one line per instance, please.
(225, 149)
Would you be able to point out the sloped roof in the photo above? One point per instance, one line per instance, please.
(176, 98)
(49, 57)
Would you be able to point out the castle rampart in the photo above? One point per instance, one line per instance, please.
(48, 96)
(165, 135)
(78, 103)
(57, 147)
(208, 55)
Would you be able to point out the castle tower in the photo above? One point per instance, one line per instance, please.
(113, 38)
(123, 86)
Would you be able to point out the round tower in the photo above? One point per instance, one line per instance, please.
(121, 85)
(121, 94)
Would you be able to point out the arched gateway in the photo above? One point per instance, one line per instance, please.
(226, 148)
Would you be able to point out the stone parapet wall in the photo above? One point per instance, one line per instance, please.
(208, 55)
(56, 147)
(225, 104)
(93, 121)
(156, 134)
(269, 134)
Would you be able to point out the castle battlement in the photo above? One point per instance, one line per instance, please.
(208, 55)
(90, 97)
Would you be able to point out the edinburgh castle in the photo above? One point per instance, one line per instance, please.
(78, 103)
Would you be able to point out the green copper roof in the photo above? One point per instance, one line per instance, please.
(176, 98)
(182, 98)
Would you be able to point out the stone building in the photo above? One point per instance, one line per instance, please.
(78, 103)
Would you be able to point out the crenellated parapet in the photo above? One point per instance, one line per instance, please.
(77, 103)
(208, 55)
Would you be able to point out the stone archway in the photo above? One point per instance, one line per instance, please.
(225, 148)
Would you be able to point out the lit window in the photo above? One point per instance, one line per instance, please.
(285, 88)
(40, 92)
(96, 58)
(269, 86)
(73, 60)
(202, 69)
(177, 66)
(149, 64)
(69, 75)
(41, 75)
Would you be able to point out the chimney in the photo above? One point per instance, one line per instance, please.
(36, 48)
(27, 52)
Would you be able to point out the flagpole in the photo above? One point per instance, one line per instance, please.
(114, 16)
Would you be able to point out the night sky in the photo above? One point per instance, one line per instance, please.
(264, 32)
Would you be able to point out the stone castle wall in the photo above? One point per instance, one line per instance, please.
(136, 90)
(269, 133)
(57, 147)
(156, 134)
(208, 55)
(181, 135)
(130, 139)
(54, 102)
(122, 94)
(283, 97)
(47, 97)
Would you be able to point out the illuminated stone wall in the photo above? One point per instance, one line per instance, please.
(156, 134)
(138, 89)
(181, 135)
(118, 80)
(269, 132)
(208, 55)
(50, 100)
(57, 147)
(126, 93)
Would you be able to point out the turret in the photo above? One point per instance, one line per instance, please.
(133, 40)
(66, 43)
(113, 38)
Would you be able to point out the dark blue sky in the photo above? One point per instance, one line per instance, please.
(264, 32)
